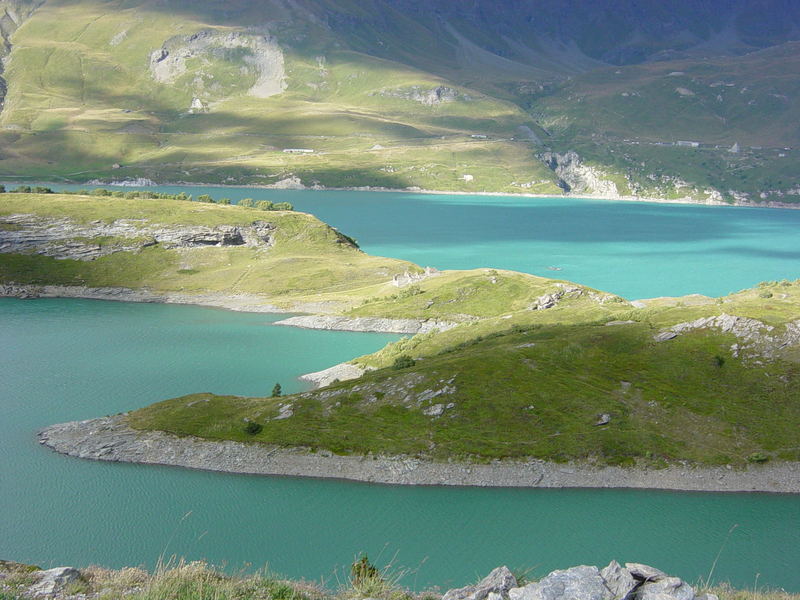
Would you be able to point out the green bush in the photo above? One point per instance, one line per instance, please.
(224, 201)
(282, 206)
(247, 202)
(264, 205)
(403, 362)
(205, 198)
(253, 428)
(757, 457)
(276, 391)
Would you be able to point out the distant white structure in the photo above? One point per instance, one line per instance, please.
(734, 149)
(478, 136)
(688, 144)
(467, 178)
(298, 151)
(407, 278)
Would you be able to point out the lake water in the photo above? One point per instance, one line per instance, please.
(634, 249)
(75, 359)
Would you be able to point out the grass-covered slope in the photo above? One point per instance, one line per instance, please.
(626, 121)
(555, 384)
(304, 263)
(306, 259)
(531, 370)
(85, 93)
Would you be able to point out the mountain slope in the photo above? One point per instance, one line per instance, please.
(403, 93)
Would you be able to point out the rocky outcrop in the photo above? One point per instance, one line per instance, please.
(577, 177)
(66, 239)
(577, 583)
(111, 439)
(756, 339)
(614, 582)
(137, 182)
(53, 581)
(408, 278)
(376, 324)
(428, 97)
(246, 55)
(552, 299)
(495, 586)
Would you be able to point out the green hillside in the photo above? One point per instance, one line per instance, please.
(402, 94)
(530, 368)
(558, 384)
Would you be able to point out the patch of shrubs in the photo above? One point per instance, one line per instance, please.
(253, 428)
(148, 195)
(403, 361)
(758, 457)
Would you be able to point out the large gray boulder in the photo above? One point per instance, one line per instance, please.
(645, 572)
(53, 581)
(619, 580)
(668, 588)
(577, 583)
(497, 583)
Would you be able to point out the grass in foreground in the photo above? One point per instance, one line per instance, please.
(200, 581)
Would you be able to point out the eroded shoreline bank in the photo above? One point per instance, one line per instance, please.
(111, 439)
(367, 188)
(235, 302)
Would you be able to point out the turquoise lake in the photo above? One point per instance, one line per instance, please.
(73, 359)
(634, 249)
(76, 359)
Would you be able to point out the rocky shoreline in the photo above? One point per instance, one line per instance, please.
(235, 302)
(367, 188)
(111, 439)
(374, 324)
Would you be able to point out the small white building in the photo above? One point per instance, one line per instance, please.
(687, 143)
(298, 151)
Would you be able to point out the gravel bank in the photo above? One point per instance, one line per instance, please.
(334, 323)
(111, 439)
(340, 372)
(237, 302)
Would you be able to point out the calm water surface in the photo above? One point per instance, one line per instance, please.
(633, 249)
(75, 359)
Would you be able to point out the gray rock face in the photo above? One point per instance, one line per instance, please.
(756, 339)
(66, 239)
(664, 336)
(645, 572)
(492, 587)
(619, 580)
(577, 583)
(577, 177)
(666, 588)
(53, 581)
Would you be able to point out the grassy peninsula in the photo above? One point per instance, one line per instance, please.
(559, 384)
(523, 367)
